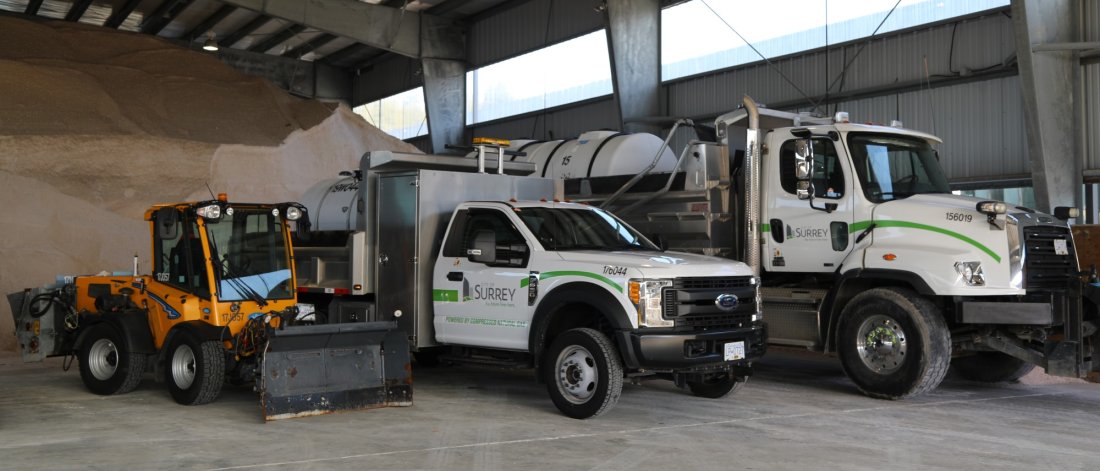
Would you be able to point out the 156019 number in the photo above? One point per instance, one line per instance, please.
(960, 217)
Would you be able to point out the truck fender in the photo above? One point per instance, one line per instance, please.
(854, 282)
(548, 322)
(200, 329)
(133, 324)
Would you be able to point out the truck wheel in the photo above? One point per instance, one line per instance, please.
(893, 343)
(991, 367)
(196, 369)
(716, 386)
(583, 373)
(106, 365)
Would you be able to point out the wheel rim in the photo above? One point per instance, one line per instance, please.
(103, 359)
(183, 367)
(577, 374)
(881, 344)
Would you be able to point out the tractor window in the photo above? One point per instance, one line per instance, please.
(180, 261)
(828, 175)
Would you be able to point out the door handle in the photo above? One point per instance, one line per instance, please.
(454, 276)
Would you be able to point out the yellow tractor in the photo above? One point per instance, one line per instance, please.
(220, 305)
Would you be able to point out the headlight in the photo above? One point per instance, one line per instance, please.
(971, 273)
(210, 212)
(991, 207)
(292, 213)
(647, 299)
(759, 315)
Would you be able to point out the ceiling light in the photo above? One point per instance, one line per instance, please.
(210, 44)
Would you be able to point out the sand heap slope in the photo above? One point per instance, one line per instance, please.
(96, 125)
(62, 78)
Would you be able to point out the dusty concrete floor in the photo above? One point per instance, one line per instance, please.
(799, 412)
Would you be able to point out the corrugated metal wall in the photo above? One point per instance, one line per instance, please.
(525, 27)
(897, 59)
(1091, 85)
(981, 122)
(557, 124)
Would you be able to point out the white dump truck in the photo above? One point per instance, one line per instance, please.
(490, 268)
(861, 246)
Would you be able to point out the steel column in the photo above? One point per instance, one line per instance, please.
(1049, 79)
(445, 97)
(634, 33)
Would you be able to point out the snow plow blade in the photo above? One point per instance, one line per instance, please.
(318, 369)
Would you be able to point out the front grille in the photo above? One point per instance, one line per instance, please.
(712, 283)
(1043, 268)
(690, 302)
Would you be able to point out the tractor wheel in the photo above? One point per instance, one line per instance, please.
(893, 343)
(195, 369)
(583, 373)
(106, 364)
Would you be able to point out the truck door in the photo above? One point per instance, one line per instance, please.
(482, 304)
(802, 236)
(179, 269)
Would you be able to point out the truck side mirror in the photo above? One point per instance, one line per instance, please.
(167, 220)
(484, 248)
(804, 168)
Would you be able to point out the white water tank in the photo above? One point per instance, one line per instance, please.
(333, 204)
(592, 154)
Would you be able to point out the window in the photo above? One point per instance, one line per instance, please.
(181, 261)
(510, 244)
(582, 229)
(694, 39)
(250, 251)
(402, 115)
(566, 72)
(892, 167)
(828, 179)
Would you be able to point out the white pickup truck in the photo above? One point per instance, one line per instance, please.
(489, 268)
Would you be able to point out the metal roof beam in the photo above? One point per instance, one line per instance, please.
(163, 15)
(32, 7)
(310, 46)
(119, 15)
(277, 38)
(245, 30)
(347, 51)
(210, 21)
(410, 34)
(77, 10)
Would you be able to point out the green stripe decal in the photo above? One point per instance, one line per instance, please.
(445, 295)
(765, 228)
(863, 225)
(551, 274)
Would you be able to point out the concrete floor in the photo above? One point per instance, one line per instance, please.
(799, 412)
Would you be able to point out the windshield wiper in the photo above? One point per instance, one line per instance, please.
(234, 278)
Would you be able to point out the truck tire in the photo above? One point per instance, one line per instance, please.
(195, 369)
(716, 386)
(584, 374)
(107, 366)
(893, 343)
(991, 367)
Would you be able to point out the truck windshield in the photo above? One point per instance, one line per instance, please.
(892, 167)
(251, 260)
(582, 229)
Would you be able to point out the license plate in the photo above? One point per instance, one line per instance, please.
(735, 351)
(1060, 247)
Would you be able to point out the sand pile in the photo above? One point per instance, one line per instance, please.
(96, 125)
